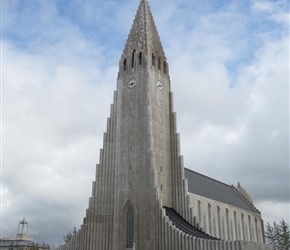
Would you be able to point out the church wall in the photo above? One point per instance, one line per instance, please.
(174, 239)
(225, 221)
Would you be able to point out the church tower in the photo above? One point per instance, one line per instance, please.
(140, 155)
(140, 169)
(140, 197)
(144, 134)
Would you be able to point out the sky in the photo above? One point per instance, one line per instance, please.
(229, 69)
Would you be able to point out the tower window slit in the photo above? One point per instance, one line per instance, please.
(153, 59)
(164, 67)
(133, 55)
(125, 63)
(140, 58)
(159, 63)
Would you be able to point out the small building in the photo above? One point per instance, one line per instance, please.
(21, 241)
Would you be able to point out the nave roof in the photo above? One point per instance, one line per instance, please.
(210, 188)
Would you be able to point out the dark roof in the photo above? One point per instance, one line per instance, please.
(205, 186)
(184, 226)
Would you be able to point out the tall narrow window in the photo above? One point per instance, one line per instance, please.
(227, 224)
(223, 229)
(133, 55)
(209, 218)
(243, 227)
(253, 233)
(232, 230)
(199, 212)
(219, 220)
(130, 228)
(153, 59)
(140, 58)
(259, 235)
(214, 226)
(164, 67)
(125, 64)
(250, 231)
(159, 63)
(239, 231)
(204, 222)
(235, 225)
(256, 231)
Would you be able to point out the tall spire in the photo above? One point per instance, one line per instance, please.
(144, 38)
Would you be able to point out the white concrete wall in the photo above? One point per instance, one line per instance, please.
(225, 221)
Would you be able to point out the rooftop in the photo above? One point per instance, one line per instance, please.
(205, 186)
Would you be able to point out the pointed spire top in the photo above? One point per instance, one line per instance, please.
(143, 35)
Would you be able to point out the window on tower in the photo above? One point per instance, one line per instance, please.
(133, 55)
(140, 58)
(130, 228)
(164, 67)
(124, 63)
(159, 63)
(153, 59)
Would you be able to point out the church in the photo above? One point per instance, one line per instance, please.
(142, 197)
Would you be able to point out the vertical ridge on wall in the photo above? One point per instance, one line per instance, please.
(180, 189)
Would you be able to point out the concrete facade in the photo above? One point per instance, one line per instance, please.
(141, 169)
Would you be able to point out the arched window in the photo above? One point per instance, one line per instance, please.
(140, 58)
(125, 63)
(153, 59)
(133, 55)
(159, 62)
(130, 228)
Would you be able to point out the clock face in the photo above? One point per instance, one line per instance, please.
(131, 84)
(159, 85)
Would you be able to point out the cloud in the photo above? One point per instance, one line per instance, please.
(229, 72)
(51, 111)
